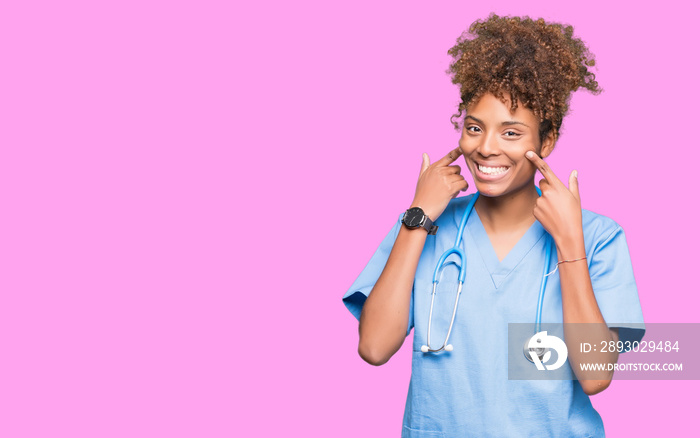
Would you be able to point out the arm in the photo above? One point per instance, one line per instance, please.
(384, 318)
(559, 211)
(580, 306)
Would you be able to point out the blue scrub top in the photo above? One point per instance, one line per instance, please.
(466, 392)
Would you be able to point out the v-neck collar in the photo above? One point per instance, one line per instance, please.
(499, 270)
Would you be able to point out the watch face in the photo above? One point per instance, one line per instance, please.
(414, 217)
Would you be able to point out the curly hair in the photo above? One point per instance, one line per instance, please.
(538, 64)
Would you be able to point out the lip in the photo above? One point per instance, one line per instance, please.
(487, 177)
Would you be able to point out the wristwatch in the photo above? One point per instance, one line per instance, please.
(416, 218)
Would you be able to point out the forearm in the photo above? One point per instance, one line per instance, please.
(583, 321)
(384, 318)
(385, 314)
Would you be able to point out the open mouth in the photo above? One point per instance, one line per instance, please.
(492, 171)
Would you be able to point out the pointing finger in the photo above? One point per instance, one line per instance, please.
(449, 158)
(543, 167)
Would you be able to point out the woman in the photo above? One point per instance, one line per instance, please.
(516, 77)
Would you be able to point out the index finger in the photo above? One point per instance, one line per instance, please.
(543, 167)
(449, 158)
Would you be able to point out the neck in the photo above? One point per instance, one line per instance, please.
(510, 211)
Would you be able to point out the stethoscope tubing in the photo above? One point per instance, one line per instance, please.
(543, 284)
(462, 277)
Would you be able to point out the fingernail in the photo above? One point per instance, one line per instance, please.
(576, 174)
(530, 154)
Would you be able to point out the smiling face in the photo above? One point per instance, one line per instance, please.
(494, 141)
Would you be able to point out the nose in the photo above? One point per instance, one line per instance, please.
(489, 145)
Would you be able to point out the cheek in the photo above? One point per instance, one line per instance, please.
(527, 169)
(518, 155)
(466, 145)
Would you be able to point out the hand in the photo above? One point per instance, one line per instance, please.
(438, 183)
(559, 207)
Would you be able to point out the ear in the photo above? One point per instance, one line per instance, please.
(548, 144)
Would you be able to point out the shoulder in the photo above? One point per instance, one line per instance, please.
(598, 228)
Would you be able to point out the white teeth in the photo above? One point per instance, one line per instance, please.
(491, 170)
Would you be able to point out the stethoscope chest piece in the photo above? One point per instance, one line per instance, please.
(541, 352)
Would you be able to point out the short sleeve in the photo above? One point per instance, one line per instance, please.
(355, 297)
(614, 286)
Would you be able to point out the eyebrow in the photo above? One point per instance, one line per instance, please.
(506, 123)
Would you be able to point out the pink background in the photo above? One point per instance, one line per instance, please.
(188, 189)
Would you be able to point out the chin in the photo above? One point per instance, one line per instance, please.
(489, 190)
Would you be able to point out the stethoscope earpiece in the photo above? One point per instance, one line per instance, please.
(426, 349)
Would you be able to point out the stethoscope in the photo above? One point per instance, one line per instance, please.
(462, 275)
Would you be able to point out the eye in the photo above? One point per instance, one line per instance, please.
(473, 129)
(511, 134)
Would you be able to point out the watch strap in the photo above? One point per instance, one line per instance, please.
(429, 227)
